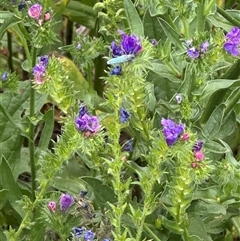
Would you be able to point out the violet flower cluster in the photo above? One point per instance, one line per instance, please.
(86, 123)
(40, 69)
(65, 203)
(195, 53)
(35, 12)
(171, 130)
(233, 41)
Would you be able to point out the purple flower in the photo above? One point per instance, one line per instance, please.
(193, 53)
(39, 70)
(124, 115)
(44, 60)
(66, 201)
(35, 11)
(171, 130)
(234, 35)
(130, 44)
(116, 70)
(78, 232)
(204, 47)
(4, 76)
(116, 50)
(232, 48)
(198, 146)
(87, 123)
(128, 146)
(88, 236)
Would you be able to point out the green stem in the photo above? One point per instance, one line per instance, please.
(31, 131)
(169, 20)
(90, 79)
(200, 17)
(228, 17)
(10, 57)
(232, 103)
(151, 233)
(209, 7)
(186, 235)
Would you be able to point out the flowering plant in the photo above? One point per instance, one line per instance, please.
(126, 130)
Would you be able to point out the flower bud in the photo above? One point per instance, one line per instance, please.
(35, 11)
(47, 16)
(52, 206)
(199, 155)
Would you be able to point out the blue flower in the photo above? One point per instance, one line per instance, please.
(4, 76)
(83, 193)
(128, 146)
(124, 115)
(78, 232)
(154, 42)
(232, 48)
(82, 110)
(21, 5)
(44, 60)
(116, 70)
(171, 130)
(193, 53)
(88, 236)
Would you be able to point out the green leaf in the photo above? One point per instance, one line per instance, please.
(8, 23)
(172, 35)
(172, 226)
(155, 8)
(2, 235)
(11, 138)
(204, 208)
(197, 229)
(152, 29)
(14, 195)
(80, 13)
(134, 21)
(214, 122)
(46, 132)
(102, 192)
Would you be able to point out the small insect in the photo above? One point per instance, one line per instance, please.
(121, 59)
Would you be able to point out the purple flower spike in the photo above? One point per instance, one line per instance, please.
(88, 236)
(116, 70)
(193, 53)
(130, 44)
(35, 11)
(171, 130)
(66, 201)
(124, 115)
(87, 123)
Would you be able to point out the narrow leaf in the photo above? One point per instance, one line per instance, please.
(14, 195)
(9, 22)
(134, 21)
